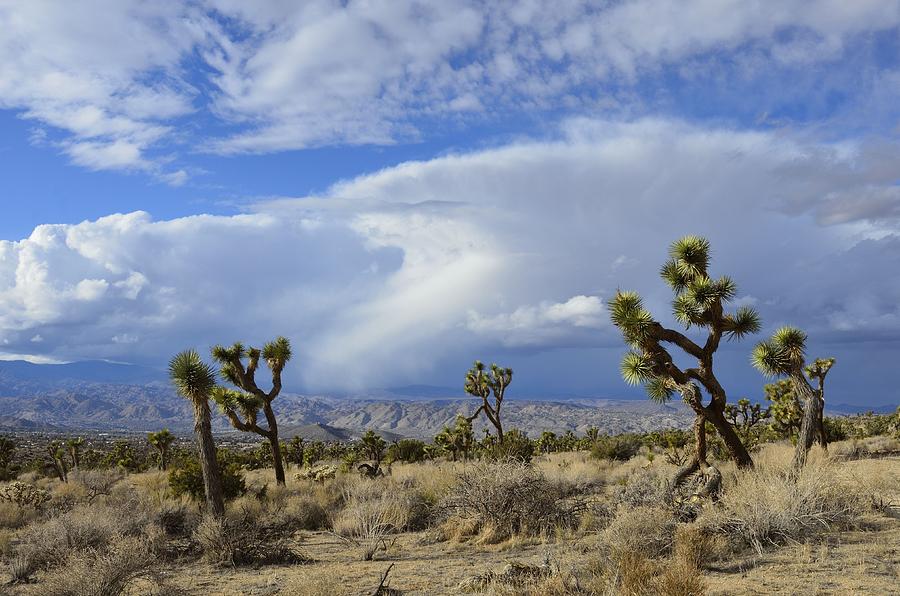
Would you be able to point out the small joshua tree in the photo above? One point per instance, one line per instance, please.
(242, 407)
(58, 459)
(699, 302)
(784, 355)
(817, 371)
(74, 446)
(195, 381)
(785, 408)
(744, 416)
(372, 447)
(162, 441)
(483, 383)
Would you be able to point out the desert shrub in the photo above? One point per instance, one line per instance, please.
(407, 450)
(23, 494)
(241, 540)
(618, 447)
(98, 573)
(767, 506)
(508, 497)
(186, 478)
(643, 488)
(49, 543)
(516, 446)
(319, 473)
(650, 530)
(174, 518)
(375, 510)
(96, 482)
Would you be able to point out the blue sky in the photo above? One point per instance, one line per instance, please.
(404, 186)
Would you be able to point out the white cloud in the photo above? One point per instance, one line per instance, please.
(543, 325)
(115, 75)
(390, 275)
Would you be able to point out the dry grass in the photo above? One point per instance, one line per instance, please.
(766, 506)
(650, 530)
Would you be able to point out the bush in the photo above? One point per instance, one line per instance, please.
(92, 573)
(766, 506)
(619, 447)
(242, 540)
(650, 530)
(644, 488)
(516, 446)
(508, 497)
(407, 450)
(186, 478)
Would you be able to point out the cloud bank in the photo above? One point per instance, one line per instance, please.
(502, 253)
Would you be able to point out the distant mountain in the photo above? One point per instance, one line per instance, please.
(851, 409)
(94, 371)
(108, 396)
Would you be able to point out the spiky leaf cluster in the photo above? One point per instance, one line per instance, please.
(819, 368)
(783, 354)
(193, 378)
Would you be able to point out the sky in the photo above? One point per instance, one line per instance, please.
(401, 187)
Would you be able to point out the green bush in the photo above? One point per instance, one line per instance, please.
(619, 447)
(407, 450)
(186, 477)
(516, 445)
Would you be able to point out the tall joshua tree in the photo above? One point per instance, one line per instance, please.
(242, 406)
(784, 355)
(817, 371)
(699, 302)
(195, 381)
(483, 383)
(162, 441)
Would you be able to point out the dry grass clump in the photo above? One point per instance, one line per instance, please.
(98, 573)
(646, 529)
(508, 498)
(644, 488)
(375, 509)
(766, 506)
(313, 582)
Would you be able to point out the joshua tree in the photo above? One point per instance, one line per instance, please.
(242, 407)
(784, 355)
(195, 381)
(481, 383)
(744, 416)
(699, 302)
(161, 441)
(786, 409)
(58, 459)
(817, 371)
(371, 447)
(74, 446)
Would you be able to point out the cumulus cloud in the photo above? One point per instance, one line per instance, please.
(402, 274)
(544, 325)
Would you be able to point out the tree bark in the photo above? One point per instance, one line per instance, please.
(820, 423)
(716, 416)
(212, 481)
(277, 461)
(811, 415)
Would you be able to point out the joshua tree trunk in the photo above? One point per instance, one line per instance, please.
(820, 423)
(693, 465)
(277, 461)
(212, 482)
(732, 441)
(812, 412)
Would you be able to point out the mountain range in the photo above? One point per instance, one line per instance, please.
(108, 396)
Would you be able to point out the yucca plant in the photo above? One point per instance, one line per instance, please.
(482, 382)
(195, 381)
(243, 405)
(784, 355)
(162, 441)
(817, 371)
(699, 302)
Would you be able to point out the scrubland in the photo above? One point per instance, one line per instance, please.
(564, 524)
